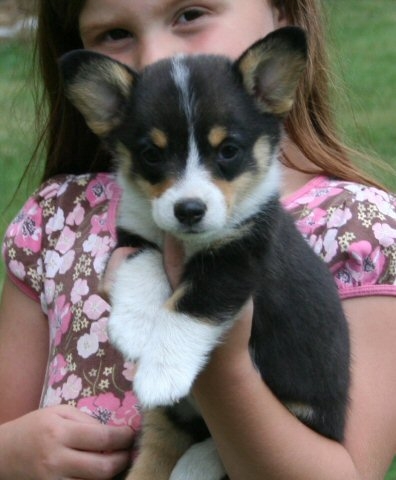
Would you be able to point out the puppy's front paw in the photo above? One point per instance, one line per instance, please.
(172, 358)
(158, 384)
(139, 291)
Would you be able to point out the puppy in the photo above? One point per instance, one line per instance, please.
(195, 142)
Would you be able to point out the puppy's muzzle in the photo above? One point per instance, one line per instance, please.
(190, 211)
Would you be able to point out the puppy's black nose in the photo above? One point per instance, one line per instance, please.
(190, 211)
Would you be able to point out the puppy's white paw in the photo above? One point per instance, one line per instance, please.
(172, 358)
(200, 462)
(140, 289)
(157, 384)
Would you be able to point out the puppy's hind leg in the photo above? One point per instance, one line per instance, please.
(200, 462)
(161, 446)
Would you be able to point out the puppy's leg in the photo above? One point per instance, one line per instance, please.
(140, 289)
(161, 446)
(200, 462)
(176, 352)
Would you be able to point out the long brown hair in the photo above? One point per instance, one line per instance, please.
(70, 147)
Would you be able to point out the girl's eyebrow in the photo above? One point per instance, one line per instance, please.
(109, 14)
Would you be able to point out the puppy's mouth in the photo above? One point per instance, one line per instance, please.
(194, 233)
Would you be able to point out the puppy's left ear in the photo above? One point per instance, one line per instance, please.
(272, 67)
(98, 86)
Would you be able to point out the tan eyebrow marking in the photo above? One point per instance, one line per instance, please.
(217, 135)
(159, 138)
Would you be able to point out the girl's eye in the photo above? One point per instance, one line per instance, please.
(117, 34)
(190, 15)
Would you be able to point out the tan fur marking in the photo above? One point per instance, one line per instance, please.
(161, 446)
(159, 138)
(171, 303)
(279, 85)
(154, 191)
(91, 97)
(301, 410)
(217, 135)
(261, 152)
(124, 160)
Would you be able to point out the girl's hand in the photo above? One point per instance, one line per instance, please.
(62, 443)
(173, 263)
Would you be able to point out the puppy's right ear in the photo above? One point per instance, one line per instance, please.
(272, 67)
(98, 86)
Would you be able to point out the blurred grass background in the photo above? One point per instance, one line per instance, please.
(363, 50)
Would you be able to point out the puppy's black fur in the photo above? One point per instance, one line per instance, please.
(225, 119)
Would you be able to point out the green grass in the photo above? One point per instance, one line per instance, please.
(16, 128)
(363, 35)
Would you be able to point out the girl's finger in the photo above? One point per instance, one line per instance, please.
(115, 260)
(98, 438)
(173, 259)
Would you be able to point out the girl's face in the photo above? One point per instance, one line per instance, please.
(140, 32)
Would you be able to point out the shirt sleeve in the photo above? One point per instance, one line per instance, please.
(25, 240)
(354, 231)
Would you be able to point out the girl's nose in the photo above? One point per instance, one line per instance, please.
(157, 48)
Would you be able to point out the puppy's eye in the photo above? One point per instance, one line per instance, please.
(151, 156)
(228, 151)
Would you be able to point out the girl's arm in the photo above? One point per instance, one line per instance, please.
(258, 438)
(53, 442)
(23, 352)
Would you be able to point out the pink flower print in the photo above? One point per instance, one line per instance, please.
(129, 371)
(57, 370)
(128, 413)
(330, 245)
(87, 345)
(52, 397)
(99, 329)
(26, 228)
(55, 263)
(102, 407)
(96, 190)
(339, 217)
(316, 196)
(80, 288)
(55, 223)
(363, 267)
(66, 240)
(49, 291)
(60, 319)
(310, 222)
(72, 387)
(99, 223)
(99, 248)
(50, 191)
(17, 269)
(76, 216)
(382, 200)
(384, 234)
(94, 307)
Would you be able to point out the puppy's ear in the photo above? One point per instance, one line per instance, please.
(98, 86)
(271, 69)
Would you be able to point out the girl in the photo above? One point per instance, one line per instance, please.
(54, 351)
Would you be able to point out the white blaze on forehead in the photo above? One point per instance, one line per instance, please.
(181, 76)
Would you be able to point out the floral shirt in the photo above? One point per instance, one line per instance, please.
(56, 250)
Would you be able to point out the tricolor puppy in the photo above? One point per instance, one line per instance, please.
(195, 142)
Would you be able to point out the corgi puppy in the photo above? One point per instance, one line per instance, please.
(196, 144)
